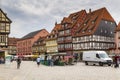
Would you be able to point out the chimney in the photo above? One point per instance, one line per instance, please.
(56, 23)
(90, 10)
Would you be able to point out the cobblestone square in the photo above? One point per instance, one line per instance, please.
(30, 71)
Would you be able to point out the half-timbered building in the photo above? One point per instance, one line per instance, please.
(51, 40)
(68, 29)
(4, 29)
(96, 32)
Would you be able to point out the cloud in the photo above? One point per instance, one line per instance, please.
(31, 15)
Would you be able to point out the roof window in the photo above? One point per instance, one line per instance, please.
(83, 31)
(89, 30)
(86, 21)
(111, 22)
(93, 22)
(106, 22)
(84, 24)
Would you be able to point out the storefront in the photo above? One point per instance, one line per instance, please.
(2, 56)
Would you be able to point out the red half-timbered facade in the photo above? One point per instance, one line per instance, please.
(68, 28)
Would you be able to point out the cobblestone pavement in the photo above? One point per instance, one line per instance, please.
(30, 71)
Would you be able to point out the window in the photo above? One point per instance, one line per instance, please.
(111, 22)
(89, 30)
(93, 22)
(97, 56)
(67, 31)
(119, 44)
(66, 25)
(3, 39)
(105, 31)
(53, 36)
(62, 26)
(78, 24)
(101, 30)
(83, 31)
(84, 24)
(111, 32)
(2, 26)
(106, 22)
(61, 33)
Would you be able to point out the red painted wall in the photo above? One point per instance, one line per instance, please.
(24, 47)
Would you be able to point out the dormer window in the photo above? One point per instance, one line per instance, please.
(62, 26)
(89, 30)
(53, 36)
(83, 31)
(111, 22)
(106, 22)
(93, 22)
(48, 36)
(84, 24)
(73, 18)
(66, 25)
(54, 31)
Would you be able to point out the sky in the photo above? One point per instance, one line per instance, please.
(32, 15)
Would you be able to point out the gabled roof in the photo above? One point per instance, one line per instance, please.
(73, 18)
(56, 28)
(118, 27)
(53, 33)
(5, 15)
(80, 17)
(92, 21)
(40, 41)
(66, 20)
(75, 15)
(32, 34)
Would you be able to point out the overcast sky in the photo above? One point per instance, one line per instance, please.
(31, 15)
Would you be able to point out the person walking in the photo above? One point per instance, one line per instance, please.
(38, 61)
(18, 62)
(52, 62)
(116, 61)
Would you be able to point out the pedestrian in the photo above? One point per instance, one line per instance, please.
(1, 60)
(52, 61)
(76, 57)
(38, 61)
(18, 62)
(116, 61)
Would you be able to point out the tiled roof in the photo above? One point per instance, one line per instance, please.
(66, 20)
(118, 27)
(54, 32)
(92, 20)
(73, 18)
(75, 14)
(32, 34)
(79, 20)
(56, 28)
(41, 40)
